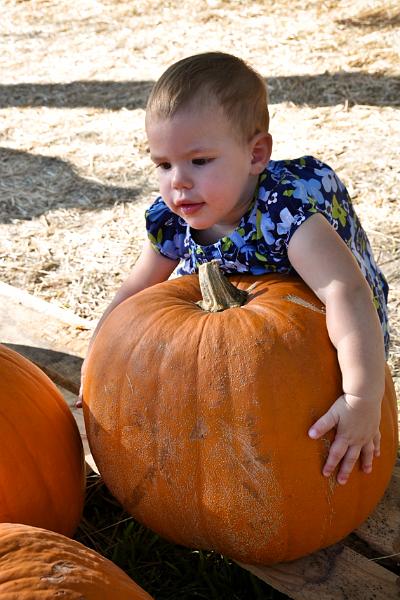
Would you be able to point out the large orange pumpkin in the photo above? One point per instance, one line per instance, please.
(198, 420)
(36, 564)
(42, 476)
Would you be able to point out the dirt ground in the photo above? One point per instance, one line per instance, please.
(75, 175)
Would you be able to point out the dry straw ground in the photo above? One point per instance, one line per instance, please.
(75, 175)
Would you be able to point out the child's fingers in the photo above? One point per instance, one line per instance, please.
(347, 464)
(327, 422)
(337, 451)
(78, 403)
(367, 456)
(377, 444)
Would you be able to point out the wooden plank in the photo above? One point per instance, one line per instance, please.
(70, 399)
(62, 368)
(336, 573)
(29, 321)
(12, 296)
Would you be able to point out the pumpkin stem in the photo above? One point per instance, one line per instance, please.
(217, 291)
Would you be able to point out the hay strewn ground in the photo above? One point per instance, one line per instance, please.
(74, 171)
(75, 176)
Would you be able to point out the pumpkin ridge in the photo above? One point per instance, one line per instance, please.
(199, 441)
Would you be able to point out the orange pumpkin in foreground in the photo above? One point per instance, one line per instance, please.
(42, 475)
(198, 420)
(36, 564)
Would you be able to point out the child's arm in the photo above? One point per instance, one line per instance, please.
(150, 268)
(325, 263)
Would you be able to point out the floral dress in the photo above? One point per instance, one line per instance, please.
(288, 193)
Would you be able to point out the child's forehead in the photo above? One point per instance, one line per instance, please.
(190, 133)
(197, 108)
(201, 118)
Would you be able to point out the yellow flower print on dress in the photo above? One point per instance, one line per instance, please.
(338, 211)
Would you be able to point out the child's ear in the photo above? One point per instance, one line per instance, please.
(261, 149)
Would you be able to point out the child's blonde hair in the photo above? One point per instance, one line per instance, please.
(238, 89)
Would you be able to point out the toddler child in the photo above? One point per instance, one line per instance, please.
(222, 197)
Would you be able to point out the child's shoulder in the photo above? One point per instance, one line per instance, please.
(159, 214)
(165, 230)
(157, 209)
(305, 174)
(303, 167)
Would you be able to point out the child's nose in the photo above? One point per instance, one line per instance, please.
(181, 179)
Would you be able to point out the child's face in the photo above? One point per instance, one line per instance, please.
(206, 174)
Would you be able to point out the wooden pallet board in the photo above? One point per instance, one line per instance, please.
(339, 572)
(336, 573)
(30, 321)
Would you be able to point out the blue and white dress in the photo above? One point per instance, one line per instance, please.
(288, 193)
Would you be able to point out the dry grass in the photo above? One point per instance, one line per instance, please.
(74, 171)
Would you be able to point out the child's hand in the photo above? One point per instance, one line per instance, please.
(78, 403)
(357, 434)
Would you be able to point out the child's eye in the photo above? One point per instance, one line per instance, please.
(201, 161)
(164, 166)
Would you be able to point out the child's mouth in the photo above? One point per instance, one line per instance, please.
(190, 208)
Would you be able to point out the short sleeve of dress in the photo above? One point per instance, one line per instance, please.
(165, 230)
(304, 187)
